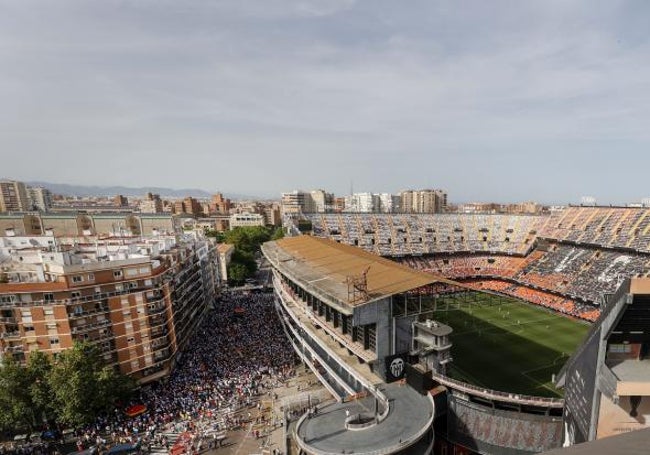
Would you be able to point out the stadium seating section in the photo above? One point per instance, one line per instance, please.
(566, 261)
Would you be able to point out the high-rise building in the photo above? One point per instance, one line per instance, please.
(151, 204)
(322, 202)
(220, 205)
(362, 203)
(192, 206)
(423, 201)
(120, 201)
(272, 215)
(13, 196)
(388, 203)
(39, 198)
(138, 301)
(296, 202)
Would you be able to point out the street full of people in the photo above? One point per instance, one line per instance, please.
(237, 355)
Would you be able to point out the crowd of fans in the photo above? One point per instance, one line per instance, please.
(406, 235)
(609, 227)
(572, 279)
(236, 356)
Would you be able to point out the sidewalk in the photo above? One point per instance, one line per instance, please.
(268, 421)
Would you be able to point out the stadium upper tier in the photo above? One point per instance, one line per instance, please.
(407, 235)
(609, 227)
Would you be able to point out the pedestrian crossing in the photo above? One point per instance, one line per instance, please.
(172, 437)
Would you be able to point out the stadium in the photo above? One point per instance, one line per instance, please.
(519, 293)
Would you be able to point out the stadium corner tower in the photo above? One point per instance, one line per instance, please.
(356, 319)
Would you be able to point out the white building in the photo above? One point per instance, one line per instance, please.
(39, 198)
(246, 219)
(362, 203)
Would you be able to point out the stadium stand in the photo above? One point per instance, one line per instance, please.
(413, 235)
(567, 261)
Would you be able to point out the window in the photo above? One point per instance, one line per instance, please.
(75, 294)
(130, 340)
(48, 297)
(54, 341)
(51, 325)
(131, 272)
(119, 287)
(77, 279)
(49, 311)
(8, 298)
(91, 277)
(117, 274)
(29, 328)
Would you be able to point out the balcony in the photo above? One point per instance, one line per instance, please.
(11, 335)
(90, 326)
(157, 333)
(158, 309)
(155, 297)
(8, 320)
(161, 356)
(88, 312)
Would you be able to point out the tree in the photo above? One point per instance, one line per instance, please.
(237, 273)
(39, 368)
(249, 238)
(16, 411)
(278, 233)
(83, 387)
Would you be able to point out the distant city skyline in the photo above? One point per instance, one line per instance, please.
(500, 101)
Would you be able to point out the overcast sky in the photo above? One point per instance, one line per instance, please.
(505, 101)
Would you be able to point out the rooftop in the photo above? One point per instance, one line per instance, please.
(325, 265)
(409, 414)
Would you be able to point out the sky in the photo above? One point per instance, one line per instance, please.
(493, 101)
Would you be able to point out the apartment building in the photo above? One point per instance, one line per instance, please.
(138, 299)
(13, 196)
(72, 224)
(39, 198)
(423, 201)
(246, 219)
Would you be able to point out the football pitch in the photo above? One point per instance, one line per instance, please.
(505, 344)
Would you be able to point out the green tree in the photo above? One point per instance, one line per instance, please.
(39, 368)
(215, 234)
(83, 387)
(16, 410)
(237, 273)
(249, 238)
(278, 233)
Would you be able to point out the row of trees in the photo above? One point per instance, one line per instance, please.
(71, 390)
(247, 241)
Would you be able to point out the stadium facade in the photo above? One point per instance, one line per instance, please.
(336, 304)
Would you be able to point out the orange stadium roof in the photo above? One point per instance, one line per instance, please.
(325, 265)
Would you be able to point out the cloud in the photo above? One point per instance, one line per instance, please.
(465, 95)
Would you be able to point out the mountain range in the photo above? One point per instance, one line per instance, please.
(98, 191)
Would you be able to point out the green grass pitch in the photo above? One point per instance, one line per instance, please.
(505, 344)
